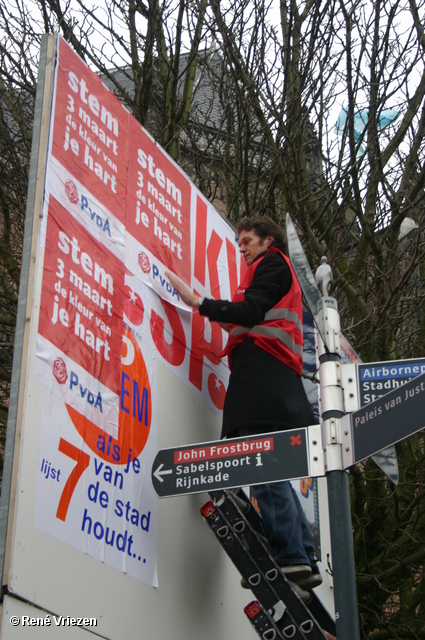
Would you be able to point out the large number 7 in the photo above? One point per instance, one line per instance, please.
(83, 460)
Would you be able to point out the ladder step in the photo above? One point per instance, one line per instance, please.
(280, 612)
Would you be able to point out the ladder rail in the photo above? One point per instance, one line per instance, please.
(281, 609)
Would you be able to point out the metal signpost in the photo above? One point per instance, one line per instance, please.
(236, 462)
(327, 321)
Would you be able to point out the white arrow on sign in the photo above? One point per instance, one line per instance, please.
(158, 473)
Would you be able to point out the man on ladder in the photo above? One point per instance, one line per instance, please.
(265, 391)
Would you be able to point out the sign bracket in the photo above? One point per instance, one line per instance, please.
(315, 451)
(347, 442)
(349, 387)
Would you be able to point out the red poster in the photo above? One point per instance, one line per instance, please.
(82, 297)
(90, 136)
(158, 203)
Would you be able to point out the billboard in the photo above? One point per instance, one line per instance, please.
(116, 367)
(117, 213)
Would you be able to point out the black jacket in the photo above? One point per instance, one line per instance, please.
(263, 393)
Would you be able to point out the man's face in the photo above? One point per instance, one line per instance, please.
(251, 245)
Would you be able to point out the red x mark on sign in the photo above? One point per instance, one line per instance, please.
(295, 440)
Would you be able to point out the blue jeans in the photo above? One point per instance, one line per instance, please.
(285, 524)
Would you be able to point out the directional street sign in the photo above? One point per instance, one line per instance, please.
(305, 275)
(367, 389)
(389, 419)
(306, 279)
(375, 379)
(236, 462)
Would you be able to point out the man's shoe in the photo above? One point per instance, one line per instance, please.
(296, 572)
(313, 581)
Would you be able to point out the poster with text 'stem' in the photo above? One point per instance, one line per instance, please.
(118, 214)
(98, 433)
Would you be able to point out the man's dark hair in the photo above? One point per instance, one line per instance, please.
(263, 226)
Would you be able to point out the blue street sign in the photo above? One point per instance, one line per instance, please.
(375, 379)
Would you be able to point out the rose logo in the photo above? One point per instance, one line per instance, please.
(133, 306)
(217, 390)
(59, 371)
(144, 263)
(71, 191)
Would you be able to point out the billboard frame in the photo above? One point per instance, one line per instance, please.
(36, 185)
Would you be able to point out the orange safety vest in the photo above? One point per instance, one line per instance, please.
(281, 331)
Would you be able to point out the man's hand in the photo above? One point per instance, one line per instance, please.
(185, 293)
